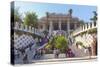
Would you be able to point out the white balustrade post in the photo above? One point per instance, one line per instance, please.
(16, 25)
(21, 27)
(26, 28)
(30, 28)
(92, 24)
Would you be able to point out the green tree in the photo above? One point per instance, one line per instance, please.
(31, 19)
(61, 43)
(70, 12)
(94, 19)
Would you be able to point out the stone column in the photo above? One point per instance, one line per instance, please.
(68, 32)
(59, 24)
(68, 26)
(44, 27)
(50, 27)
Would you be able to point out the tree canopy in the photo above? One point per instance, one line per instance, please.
(59, 42)
(94, 18)
(70, 11)
(31, 19)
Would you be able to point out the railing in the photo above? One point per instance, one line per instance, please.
(85, 27)
(25, 28)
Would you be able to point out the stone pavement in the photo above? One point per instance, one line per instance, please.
(51, 56)
(79, 52)
(87, 58)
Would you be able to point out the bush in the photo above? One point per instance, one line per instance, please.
(59, 42)
(92, 31)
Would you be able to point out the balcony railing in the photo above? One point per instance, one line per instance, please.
(85, 27)
(25, 28)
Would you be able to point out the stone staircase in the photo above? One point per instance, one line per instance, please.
(79, 52)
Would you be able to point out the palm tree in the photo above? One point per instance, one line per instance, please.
(47, 15)
(31, 19)
(94, 19)
(70, 12)
(61, 43)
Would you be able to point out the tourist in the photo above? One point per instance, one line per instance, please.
(90, 51)
(43, 51)
(67, 55)
(54, 52)
(39, 54)
(25, 58)
(35, 56)
(57, 52)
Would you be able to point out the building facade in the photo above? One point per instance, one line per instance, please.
(54, 21)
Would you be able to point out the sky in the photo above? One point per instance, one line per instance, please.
(83, 12)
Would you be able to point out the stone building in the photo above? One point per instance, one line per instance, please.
(54, 21)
